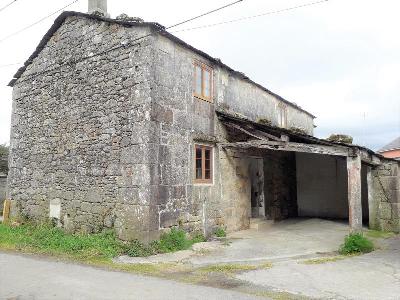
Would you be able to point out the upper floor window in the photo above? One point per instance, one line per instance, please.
(203, 81)
(282, 115)
(203, 164)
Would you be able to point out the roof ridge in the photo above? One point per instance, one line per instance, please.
(61, 18)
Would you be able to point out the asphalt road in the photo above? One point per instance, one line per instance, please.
(28, 277)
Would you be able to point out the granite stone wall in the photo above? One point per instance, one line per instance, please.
(385, 207)
(108, 142)
(82, 135)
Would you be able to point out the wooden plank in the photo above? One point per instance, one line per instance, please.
(261, 135)
(293, 147)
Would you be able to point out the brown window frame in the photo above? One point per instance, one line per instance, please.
(203, 68)
(283, 115)
(203, 178)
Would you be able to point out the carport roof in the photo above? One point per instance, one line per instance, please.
(258, 130)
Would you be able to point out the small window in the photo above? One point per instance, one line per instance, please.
(282, 115)
(203, 82)
(203, 164)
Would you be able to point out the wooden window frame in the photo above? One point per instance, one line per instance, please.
(203, 148)
(203, 67)
(283, 115)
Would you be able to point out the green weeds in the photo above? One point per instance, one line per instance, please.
(173, 241)
(356, 243)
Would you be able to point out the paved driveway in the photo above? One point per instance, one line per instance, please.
(374, 276)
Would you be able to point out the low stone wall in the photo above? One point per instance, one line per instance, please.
(385, 207)
(3, 185)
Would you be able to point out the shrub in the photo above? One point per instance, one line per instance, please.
(198, 238)
(173, 241)
(356, 243)
(220, 232)
(138, 249)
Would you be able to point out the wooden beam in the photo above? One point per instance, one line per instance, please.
(255, 132)
(369, 159)
(243, 130)
(293, 147)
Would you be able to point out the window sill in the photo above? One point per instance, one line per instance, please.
(203, 184)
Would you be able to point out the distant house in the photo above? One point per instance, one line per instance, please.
(391, 150)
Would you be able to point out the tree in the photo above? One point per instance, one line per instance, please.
(3, 159)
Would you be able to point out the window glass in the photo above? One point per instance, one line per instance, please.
(207, 164)
(203, 164)
(207, 83)
(198, 90)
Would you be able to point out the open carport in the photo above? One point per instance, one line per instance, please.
(296, 175)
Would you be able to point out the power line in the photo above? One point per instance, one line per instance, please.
(254, 16)
(122, 45)
(205, 14)
(9, 4)
(37, 22)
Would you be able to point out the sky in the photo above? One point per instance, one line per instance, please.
(339, 59)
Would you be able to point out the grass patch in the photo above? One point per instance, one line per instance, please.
(173, 241)
(50, 240)
(280, 295)
(376, 234)
(227, 268)
(46, 239)
(265, 266)
(324, 260)
(220, 232)
(356, 243)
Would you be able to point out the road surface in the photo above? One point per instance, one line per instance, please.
(29, 277)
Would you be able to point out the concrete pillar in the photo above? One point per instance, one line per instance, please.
(354, 192)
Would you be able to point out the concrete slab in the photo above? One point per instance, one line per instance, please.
(372, 276)
(286, 239)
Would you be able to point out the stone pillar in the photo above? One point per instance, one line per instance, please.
(372, 203)
(354, 192)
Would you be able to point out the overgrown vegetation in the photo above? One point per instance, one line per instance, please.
(46, 239)
(173, 241)
(356, 243)
(50, 240)
(220, 232)
(3, 159)
(340, 138)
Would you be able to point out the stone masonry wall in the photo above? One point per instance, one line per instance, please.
(385, 206)
(280, 185)
(82, 136)
(109, 141)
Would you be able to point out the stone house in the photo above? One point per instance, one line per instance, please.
(117, 123)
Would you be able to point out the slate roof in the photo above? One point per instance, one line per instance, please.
(394, 145)
(156, 27)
